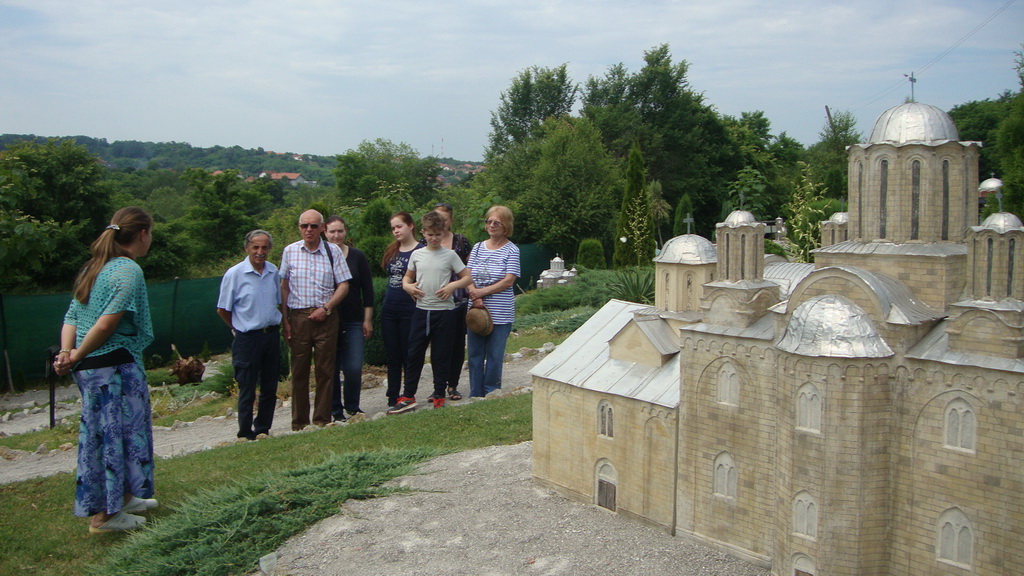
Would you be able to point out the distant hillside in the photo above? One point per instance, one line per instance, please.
(135, 155)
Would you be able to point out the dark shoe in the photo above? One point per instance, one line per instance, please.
(453, 394)
(352, 413)
(340, 417)
(403, 405)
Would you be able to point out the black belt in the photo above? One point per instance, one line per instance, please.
(265, 329)
(114, 358)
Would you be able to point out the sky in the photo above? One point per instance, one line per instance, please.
(321, 76)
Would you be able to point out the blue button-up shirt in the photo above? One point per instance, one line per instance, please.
(253, 299)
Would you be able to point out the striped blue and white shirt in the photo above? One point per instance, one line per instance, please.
(491, 266)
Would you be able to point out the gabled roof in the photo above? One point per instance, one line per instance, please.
(935, 347)
(583, 359)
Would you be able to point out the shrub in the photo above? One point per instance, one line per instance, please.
(591, 254)
(591, 288)
(376, 219)
(634, 285)
(373, 247)
(374, 354)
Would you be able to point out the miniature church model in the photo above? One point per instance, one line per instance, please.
(859, 415)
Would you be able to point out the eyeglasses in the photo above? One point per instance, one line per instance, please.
(493, 223)
(305, 225)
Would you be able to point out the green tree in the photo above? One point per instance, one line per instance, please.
(381, 166)
(684, 211)
(591, 254)
(535, 95)
(634, 232)
(748, 192)
(979, 121)
(806, 210)
(571, 189)
(827, 158)
(55, 183)
(225, 209)
(1010, 142)
(685, 143)
(377, 218)
(25, 242)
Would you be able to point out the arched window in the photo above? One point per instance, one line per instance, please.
(728, 385)
(1011, 252)
(988, 268)
(955, 538)
(915, 199)
(883, 198)
(607, 479)
(945, 199)
(808, 408)
(605, 420)
(805, 515)
(961, 425)
(860, 199)
(725, 476)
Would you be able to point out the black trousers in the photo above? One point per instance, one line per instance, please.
(436, 328)
(256, 356)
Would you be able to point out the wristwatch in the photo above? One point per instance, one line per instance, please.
(326, 309)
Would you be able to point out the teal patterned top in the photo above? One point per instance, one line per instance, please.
(119, 287)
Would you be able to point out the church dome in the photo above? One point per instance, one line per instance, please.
(990, 185)
(839, 218)
(832, 326)
(1002, 222)
(688, 249)
(739, 218)
(913, 122)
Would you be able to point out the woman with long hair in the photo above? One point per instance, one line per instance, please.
(106, 328)
(398, 307)
(356, 326)
(494, 265)
(462, 247)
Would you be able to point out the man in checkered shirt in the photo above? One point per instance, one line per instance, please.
(313, 283)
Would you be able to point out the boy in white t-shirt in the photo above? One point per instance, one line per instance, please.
(427, 280)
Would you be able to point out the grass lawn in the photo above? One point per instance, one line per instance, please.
(40, 535)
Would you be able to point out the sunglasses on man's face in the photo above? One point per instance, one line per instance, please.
(305, 225)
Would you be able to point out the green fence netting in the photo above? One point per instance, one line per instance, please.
(184, 314)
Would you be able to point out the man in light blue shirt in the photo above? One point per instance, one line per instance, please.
(250, 304)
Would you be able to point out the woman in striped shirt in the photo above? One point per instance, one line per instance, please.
(494, 266)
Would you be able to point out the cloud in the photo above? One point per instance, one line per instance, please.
(321, 76)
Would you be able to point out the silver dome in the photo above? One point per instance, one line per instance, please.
(839, 218)
(688, 249)
(913, 122)
(739, 218)
(1002, 222)
(832, 326)
(991, 185)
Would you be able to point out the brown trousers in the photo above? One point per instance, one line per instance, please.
(316, 341)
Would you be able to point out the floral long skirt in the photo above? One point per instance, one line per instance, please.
(115, 439)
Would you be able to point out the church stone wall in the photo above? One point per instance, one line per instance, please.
(569, 449)
(738, 434)
(983, 482)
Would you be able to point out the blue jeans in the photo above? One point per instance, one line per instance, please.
(348, 363)
(486, 357)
